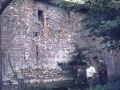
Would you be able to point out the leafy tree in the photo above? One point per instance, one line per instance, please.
(79, 57)
(102, 20)
(71, 5)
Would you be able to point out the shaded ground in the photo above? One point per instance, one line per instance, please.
(10, 87)
(41, 86)
(115, 82)
(13, 87)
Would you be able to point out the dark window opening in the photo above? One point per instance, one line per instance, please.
(36, 52)
(35, 34)
(40, 15)
(68, 14)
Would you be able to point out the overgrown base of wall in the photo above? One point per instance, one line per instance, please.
(41, 86)
(48, 85)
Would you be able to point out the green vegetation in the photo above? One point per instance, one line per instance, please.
(108, 86)
(19, 1)
(70, 6)
(80, 55)
(102, 20)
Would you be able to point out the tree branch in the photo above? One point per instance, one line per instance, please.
(3, 5)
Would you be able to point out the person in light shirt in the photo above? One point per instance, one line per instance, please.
(90, 73)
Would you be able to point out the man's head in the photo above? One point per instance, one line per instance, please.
(88, 64)
(79, 70)
(95, 58)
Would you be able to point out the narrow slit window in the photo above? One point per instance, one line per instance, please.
(40, 15)
(68, 14)
(69, 17)
(36, 52)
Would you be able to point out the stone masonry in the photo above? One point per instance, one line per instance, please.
(35, 36)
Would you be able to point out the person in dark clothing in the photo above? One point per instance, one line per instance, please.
(102, 70)
(80, 80)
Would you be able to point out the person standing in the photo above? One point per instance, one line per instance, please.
(90, 73)
(102, 70)
(80, 79)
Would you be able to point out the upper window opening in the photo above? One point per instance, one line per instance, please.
(40, 15)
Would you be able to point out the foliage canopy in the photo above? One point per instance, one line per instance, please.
(102, 20)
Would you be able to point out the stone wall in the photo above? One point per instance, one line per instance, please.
(35, 36)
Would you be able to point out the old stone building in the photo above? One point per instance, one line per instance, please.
(37, 35)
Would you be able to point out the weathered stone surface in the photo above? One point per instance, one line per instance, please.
(36, 56)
